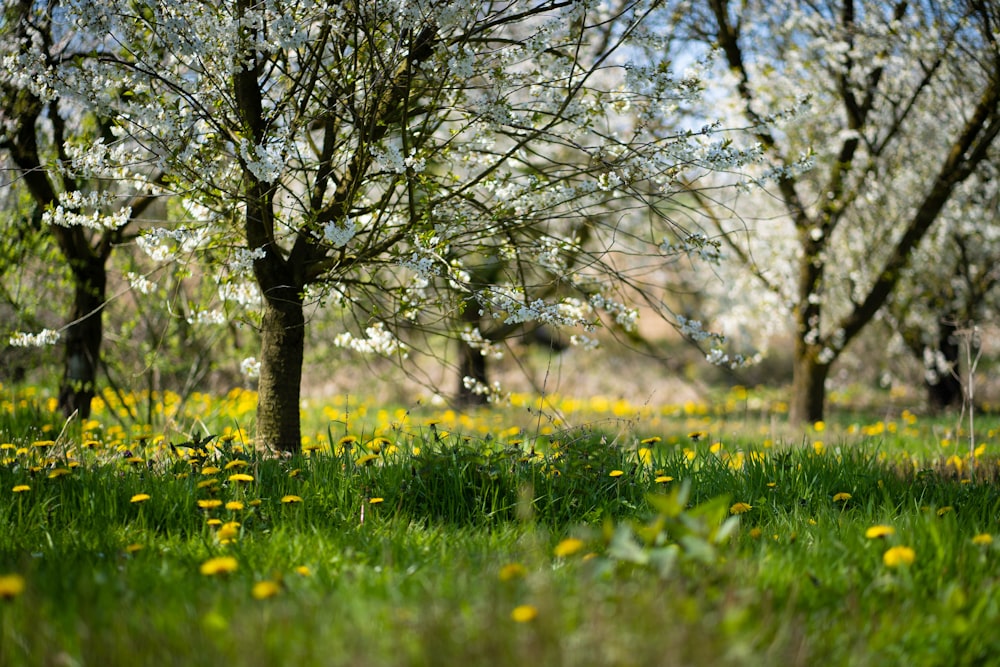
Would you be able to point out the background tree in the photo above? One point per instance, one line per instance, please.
(895, 105)
(76, 203)
(364, 149)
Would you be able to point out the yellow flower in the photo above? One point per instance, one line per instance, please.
(697, 435)
(983, 539)
(209, 503)
(234, 505)
(208, 483)
(841, 497)
(650, 441)
(568, 547)
(819, 427)
(897, 556)
(367, 460)
(375, 501)
(139, 498)
(219, 565)
(58, 472)
(291, 499)
(229, 531)
(210, 470)
(265, 589)
(740, 508)
(879, 531)
(616, 473)
(241, 477)
(303, 571)
(133, 548)
(512, 571)
(663, 479)
(21, 488)
(11, 585)
(524, 613)
(944, 510)
(236, 463)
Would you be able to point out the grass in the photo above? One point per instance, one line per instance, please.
(671, 535)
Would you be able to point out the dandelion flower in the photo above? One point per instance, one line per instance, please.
(663, 479)
(876, 532)
(265, 589)
(512, 571)
(841, 497)
(236, 463)
(11, 585)
(367, 460)
(210, 470)
(229, 531)
(234, 505)
(983, 539)
(303, 570)
(219, 565)
(650, 441)
(291, 499)
(21, 488)
(139, 498)
(524, 613)
(616, 473)
(58, 472)
(944, 510)
(133, 548)
(375, 501)
(568, 547)
(897, 556)
(209, 503)
(241, 477)
(696, 435)
(740, 508)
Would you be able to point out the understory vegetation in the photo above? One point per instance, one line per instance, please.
(650, 536)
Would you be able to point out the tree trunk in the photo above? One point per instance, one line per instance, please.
(281, 353)
(808, 385)
(83, 337)
(946, 392)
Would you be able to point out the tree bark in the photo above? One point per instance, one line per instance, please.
(282, 346)
(83, 337)
(808, 385)
(946, 392)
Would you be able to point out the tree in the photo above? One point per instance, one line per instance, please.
(38, 130)
(377, 156)
(895, 105)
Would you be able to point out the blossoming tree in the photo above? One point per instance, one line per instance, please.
(380, 156)
(895, 105)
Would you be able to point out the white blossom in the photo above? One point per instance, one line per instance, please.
(40, 339)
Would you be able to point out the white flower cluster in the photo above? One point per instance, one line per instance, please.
(207, 317)
(492, 392)
(139, 283)
(695, 245)
(511, 302)
(474, 339)
(340, 234)
(40, 339)
(67, 218)
(155, 241)
(243, 292)
(584, 342)
(378, 341)
(624, 316)
(390, 158)
(266, 161)
(242, 262)
(250, 367)
(693, 330)
(718, 357)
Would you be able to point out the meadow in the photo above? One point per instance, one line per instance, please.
(556, 531)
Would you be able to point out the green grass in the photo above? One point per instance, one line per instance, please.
(421, 554)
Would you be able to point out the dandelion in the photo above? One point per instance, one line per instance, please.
(21, 488)
(229, 531)
(265, 589)
(819, 447)
(945, 510)
(524, 613)
(289, 499)
(568, 547)
(695, 436)
(58, 472)
(210, 470)
(366, 460)
(219, 565)
(841, 497)
(876, 532)
(303, 570)
(983, 539)
(234, 505)
(512, 571)
(663, 479)
(11, 585)
(896, 556)
(133, 548)
(208, 483)
(209, 503)
(616, 473)
(139, 498)
(375, 501)
(236, 463)
(650, 441)
(819, 426)
(740, 508)
(241, 477)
